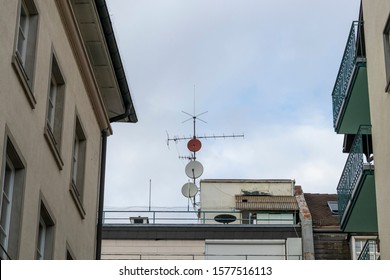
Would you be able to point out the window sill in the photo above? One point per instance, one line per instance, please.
(24, 80)
(53, 147)
(74, 193)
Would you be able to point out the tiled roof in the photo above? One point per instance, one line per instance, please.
(319, 209)
(266, 202)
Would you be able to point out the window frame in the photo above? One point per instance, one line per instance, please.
(52, 103)
(24, 58)
(42, 230)
(24, 22)
(56, 98)
(78, 163)
(386, 45)
(12, 156)
(6, 195)
(357, 249)
(44, 246)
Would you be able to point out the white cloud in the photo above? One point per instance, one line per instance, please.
(262, 68)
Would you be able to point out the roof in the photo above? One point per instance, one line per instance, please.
(319, 209)
(130, 114)
(266, 202)
(199, 232)
(98, 37)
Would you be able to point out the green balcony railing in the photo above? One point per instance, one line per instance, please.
(358, 160)
(369, 251)
(353, 53)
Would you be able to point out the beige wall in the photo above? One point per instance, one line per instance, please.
(376, 13)
(26, 125)
(220, 194)
(153, 249)
(217, 249)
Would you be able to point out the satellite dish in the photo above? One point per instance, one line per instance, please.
(194, 145)
(225, 218)
(189, 189)
(194, 169)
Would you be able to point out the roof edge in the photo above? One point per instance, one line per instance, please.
(130, 113)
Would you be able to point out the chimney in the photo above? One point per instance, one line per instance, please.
(297, 190)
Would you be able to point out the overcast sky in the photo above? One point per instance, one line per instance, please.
(262, 68)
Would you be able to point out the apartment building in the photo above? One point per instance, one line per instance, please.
(361, 113)
(62, 84)
(237, 219)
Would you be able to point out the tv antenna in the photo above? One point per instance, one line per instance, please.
(194, 169)
(194, 144)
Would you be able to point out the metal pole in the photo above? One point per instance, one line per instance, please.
(101, 195)
(150, 194)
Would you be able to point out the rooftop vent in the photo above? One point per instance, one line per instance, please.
(139, 220)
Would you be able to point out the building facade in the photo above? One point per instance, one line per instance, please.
(360, 109)
(61, 85)
(237, 219)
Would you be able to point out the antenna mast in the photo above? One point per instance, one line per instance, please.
(194, 168)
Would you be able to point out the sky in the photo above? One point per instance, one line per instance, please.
(262, 68)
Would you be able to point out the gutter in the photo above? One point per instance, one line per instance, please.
(129, 115)
(108, 31)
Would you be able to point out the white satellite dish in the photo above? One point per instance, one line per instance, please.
(194, 169)
(189, 189)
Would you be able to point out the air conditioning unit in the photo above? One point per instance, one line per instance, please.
(139, 220)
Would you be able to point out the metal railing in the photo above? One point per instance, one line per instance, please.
(184, 217)
(369, 251)
(358, 160)
(152, 256)
(354, 52)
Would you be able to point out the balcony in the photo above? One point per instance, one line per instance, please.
(356, 188)
(370, 251)
(350, 92)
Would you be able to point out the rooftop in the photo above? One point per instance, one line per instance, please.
(319, 209)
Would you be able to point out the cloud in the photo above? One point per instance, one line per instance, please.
(262, 68)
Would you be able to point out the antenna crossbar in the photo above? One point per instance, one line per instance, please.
(206, 137)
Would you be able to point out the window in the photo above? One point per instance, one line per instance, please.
(26, 37)
(274, 218)
(52, 103)
(386, 39)
(334, 207)
(23, 31)
(45, 236)
(12, 188)
(8, 185)
(41, 239)
(359, 244)
(55, 109)
(78, 166)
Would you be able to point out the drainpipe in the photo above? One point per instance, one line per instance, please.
(101, 194)
(102, 180)
(129, 113)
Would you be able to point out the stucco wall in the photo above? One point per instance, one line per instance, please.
(44, 179)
